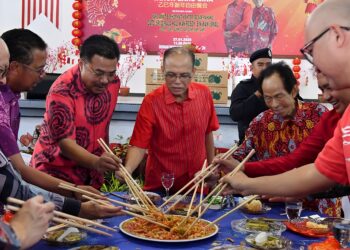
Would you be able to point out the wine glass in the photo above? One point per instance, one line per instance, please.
(167, 182)
(293, 210)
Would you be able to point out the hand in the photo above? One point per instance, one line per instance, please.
(78, 195)
(238, 183)
(280, 199)
(257, 93)
(226, 165)
(93, 210)
(32, 220)
(107, 162)
(120, 175)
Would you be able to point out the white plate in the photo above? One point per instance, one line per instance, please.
(240, 225)
(102, 247)
(168, 241)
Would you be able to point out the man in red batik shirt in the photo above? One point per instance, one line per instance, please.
(174, 124)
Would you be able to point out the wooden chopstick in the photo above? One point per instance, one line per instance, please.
(131, 213)
(119, 203)
(232, 210)
(211, 168)
(64, 215)
(56, 227)
(78, 190)
(58, 220)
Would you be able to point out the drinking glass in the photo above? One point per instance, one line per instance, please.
(342, 234)
(293, 209)
(167, 182)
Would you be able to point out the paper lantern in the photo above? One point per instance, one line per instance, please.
(296, 68)
(296, 75)
(77, 14)
(296, 61)
(77, 24)
(77, 6)
(77, 32)
(76, 41)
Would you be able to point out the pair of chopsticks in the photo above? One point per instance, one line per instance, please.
(59, 215)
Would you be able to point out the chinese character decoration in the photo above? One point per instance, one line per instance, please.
(131, 62)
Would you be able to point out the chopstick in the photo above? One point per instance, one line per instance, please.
(195, 190)
(56, 227)
(232, 210)
(64, 215)
(211, 168)
(16, 209)
(131, 213)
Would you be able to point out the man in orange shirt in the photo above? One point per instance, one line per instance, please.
(174, 124)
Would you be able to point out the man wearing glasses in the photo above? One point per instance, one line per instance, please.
(174, 124)
(79, 108)
(327, 31)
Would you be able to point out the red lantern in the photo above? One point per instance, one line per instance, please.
(77, 14)
(296, 61)
(296, 75)
(77, 6)
(77, 24)
(76, 41)
(77, 32)
(296, 68)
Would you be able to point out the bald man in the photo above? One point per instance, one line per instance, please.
(328, 48)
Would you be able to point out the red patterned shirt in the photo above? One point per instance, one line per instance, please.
(174, 133)
(272, 136)
(73, 112)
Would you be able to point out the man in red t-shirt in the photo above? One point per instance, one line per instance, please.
(328, 48)
(174, 124)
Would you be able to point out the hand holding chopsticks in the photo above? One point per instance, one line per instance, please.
(62, 218)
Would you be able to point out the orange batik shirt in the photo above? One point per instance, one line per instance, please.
(174, 133)
(73, 112)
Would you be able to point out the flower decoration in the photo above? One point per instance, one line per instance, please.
(131, 62)
(236, 66)
(194, 48)
(28, 140)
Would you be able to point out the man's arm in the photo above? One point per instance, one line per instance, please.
(84, 158)
(134, 157)
(244, 24)
(37, 177)
(209, 145)
(297, 182)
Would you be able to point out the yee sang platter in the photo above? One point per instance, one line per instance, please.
(142, 229)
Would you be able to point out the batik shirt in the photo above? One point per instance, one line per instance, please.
(73, 112)
(262, 29)
(9, 120)
(271, 135)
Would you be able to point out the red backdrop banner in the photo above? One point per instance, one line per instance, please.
(160, 24)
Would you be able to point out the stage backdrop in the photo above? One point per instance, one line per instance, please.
(163, 23)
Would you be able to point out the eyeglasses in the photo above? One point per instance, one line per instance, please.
(99, 73)
(171, 76)
(307, 49)
(3, 72)
(41, 72)
(278, 97)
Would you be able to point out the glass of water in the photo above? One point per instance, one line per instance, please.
(293, 209)
(167, 182)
